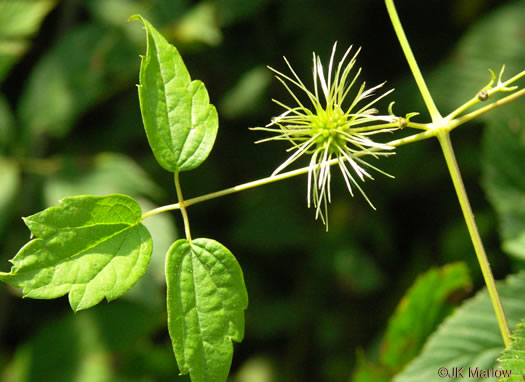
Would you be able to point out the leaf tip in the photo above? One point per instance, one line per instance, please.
(135, 17)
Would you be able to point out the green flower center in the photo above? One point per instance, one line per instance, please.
(328, 125)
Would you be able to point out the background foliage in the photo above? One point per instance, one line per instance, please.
(319, 302)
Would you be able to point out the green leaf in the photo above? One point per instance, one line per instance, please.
(470, 337)
(180, 123)
(513, 358)
(85, 346)
(430, 299)
(10, 181)
(504, 175)
(7, 124)
(105, 173)
(199, 25)
(426, 303)
(88, 64)
(370, 372)
(206, 300)
(247, 94)
(18, 21)
(90, 247)
(466, 71)
(234, 11)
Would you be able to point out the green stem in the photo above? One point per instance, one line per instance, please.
(429, 132)
(271, 179)
(490, 91)
(412, 63)
(182, 206)
(444, 139)
(476, 113)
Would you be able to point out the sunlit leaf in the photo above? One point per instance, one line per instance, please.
(90, 247)
(180, 123)
(206, 302)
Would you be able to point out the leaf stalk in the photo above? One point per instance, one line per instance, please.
(182, 207)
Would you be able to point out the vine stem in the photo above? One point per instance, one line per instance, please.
(412, 63)
(429, 132)
(271, 179)
(446, 145)
(442, 127)
(182, 206)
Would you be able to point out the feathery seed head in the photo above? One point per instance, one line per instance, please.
(331, 128)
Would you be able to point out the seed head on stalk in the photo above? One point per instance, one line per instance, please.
(331, 128)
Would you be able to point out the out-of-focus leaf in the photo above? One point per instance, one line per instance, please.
(470, 337)
(427, 302)
(246, 95)
(504, 174)
(457, 246)
(115, 12)
(370, 372)
(466, 11)
(495, 41)
(9, 187)
(106, 173)
(258, 213)
(513, 358)
(6, 123)
(492, 42)
(357, 271)
(84, 347)
(199, 25)
(92, 247)
(257, 369)
(88, 64)
(232, 11)
(18, 21)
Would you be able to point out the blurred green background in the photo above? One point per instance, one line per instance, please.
(70, 124)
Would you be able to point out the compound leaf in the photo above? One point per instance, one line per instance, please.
(90, 247)
(206, 300)
(180, 123)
